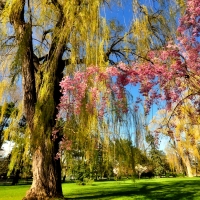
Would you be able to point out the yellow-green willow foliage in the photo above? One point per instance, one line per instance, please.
(83, 29)
(174, 160)
(11, 92)
(186, 134)
(149, 26)
(182, 128)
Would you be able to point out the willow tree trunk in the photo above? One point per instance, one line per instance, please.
(188, 166)
(41, 93)
(46, 167)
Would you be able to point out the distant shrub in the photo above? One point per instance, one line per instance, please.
(86, 181)
(180, 175)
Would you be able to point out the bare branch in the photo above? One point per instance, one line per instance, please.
(45, 33)
(179, 103)
(117, 41)
(40, 42)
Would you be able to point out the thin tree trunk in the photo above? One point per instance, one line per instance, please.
(139, 174)
(188, 166)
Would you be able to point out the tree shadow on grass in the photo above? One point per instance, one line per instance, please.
(176, 190)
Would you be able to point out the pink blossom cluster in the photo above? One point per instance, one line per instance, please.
(55, 134)
(65, 144)
(189, 30)
(165, 77)
(84, 89)
(73, 90)
(175, 68)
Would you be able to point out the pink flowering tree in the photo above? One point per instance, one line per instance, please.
(171, 74)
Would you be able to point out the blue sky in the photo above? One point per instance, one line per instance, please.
(123, 13)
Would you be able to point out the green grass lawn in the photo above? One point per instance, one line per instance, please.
(165, 188)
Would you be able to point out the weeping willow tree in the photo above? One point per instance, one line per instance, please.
(42, 40)
(181, 126)
(185, 136)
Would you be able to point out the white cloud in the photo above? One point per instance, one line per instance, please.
(6, 148)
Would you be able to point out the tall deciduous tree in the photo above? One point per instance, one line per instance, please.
(41, 40)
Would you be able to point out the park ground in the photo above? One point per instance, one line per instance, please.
(162, 188)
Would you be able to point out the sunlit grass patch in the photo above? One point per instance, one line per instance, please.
(144, 189)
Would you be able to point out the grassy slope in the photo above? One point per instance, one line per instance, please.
(171, 188)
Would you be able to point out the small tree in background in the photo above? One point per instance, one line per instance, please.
(140, 169)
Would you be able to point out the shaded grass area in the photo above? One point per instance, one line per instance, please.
(165, 188)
